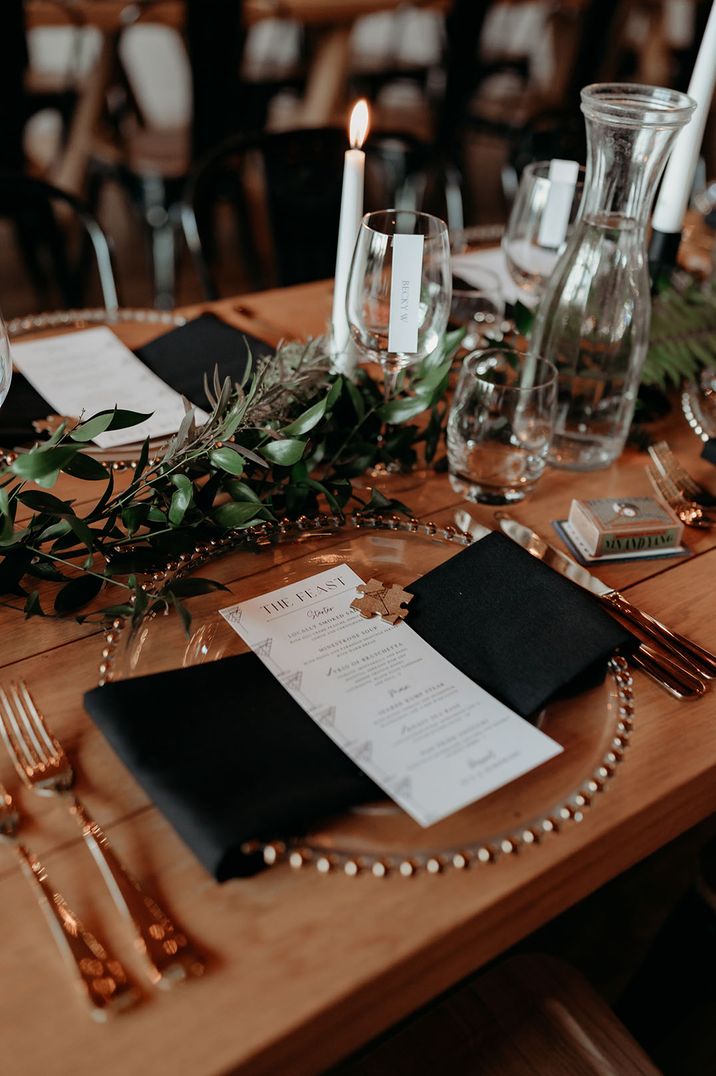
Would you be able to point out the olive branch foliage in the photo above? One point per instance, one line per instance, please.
(284, 441)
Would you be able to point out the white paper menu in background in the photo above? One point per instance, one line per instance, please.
(92, 370)
(407, 274)
(430, 737)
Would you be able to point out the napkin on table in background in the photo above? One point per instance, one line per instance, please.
(180, 357)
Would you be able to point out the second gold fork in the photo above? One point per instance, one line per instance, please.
(44, 767)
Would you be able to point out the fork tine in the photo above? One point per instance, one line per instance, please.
(53, 748)
(670, 466)
(28, 726)
(15, 743)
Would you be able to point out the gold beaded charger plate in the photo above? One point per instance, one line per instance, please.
(594, 729)
(137, 326)
(698, 403)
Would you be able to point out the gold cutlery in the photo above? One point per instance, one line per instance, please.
(669, 466)
(694, 660)
(100, 977)
(44, 767)
(689, 512)
(667, 673)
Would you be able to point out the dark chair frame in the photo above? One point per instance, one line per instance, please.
(405, 160)
(20, 191)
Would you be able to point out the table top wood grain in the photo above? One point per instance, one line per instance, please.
(304, 968)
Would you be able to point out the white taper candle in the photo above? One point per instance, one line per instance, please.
(679, 175)
(351, 215)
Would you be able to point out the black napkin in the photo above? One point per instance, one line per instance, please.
(180, 357)
(709, 450)
(228, 756)
(513, 625)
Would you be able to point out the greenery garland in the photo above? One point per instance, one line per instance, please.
(287, 439)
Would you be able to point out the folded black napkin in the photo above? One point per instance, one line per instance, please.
(180, 357)
(709, 450)
(513, 625)
(228, 756)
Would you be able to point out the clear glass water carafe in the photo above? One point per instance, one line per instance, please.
(593, 320)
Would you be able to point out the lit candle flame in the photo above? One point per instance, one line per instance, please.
(358, 126)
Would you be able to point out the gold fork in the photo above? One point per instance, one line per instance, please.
(689, 512)
(101, 978)
(669, 466)
(44, 767)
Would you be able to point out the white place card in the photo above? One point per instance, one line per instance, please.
(427, 735)
(83, 372)
(555, 215)
(405, 294)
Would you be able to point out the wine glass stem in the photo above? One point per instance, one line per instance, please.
(391, 372)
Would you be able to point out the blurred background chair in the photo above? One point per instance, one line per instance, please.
(117, 101)
(57, 239)
(275, 198)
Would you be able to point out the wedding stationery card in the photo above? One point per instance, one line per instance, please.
(553, 227)
(92, 370)
(430, 737)
(405, 293)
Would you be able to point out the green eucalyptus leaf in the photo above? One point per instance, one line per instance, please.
(134, 516)
(356, 400)
(42, 463)
(285, 453)
(184, 614)
(82, 531)
(54, 530)
(6, 514)
(32, 605)
(113, 419)
(307, 420)
(227, 460)
(142, 461)
(86, 468)
(241, 491)
(334, 392)
(45, 502)
(397, 411)
(76, 593)
(237, 514)
(181, 499)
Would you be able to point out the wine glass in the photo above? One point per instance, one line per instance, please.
(477, 306)
(5, 362)
(531, 244)
(399, 289)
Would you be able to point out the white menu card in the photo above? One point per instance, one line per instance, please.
(432, 739)
(84, 372)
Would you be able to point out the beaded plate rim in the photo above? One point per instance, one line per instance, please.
(298, 852)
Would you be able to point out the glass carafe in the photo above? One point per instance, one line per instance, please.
(593, 320)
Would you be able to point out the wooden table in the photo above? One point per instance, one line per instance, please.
(304, 968)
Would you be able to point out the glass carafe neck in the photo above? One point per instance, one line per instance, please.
(630, 131)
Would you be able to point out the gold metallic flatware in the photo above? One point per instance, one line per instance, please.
(101, 978)
(689, 512)
(670, 467)
(44, 767)
(695, 661)
(663, 670)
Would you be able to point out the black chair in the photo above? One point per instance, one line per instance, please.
(281, 194)
(56, 235)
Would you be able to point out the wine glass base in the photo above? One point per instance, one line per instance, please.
(393, 478)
